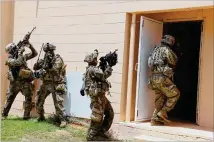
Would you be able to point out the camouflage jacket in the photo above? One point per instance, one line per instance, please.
(56, 73)
(162, 60)
(18, 69)
(95, 80)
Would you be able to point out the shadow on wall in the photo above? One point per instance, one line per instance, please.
(75, 104)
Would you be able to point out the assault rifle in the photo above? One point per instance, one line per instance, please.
(47, 63)
(21, 43)
(15, 70)
(110, 58)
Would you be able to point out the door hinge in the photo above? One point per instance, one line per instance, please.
(142, 24)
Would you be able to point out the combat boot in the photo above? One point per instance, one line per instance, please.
(26, 117)
(156, 123)
(41, 118)
(102, 134)
(3, 117)
(97, 138)
(162, 114)
(63, 124)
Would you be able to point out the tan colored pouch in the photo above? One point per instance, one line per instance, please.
(25, 73)
(61, 87)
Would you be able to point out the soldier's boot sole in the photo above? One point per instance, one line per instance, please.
(41, 118)
(157, 123)
(26, 117)
(97, 138)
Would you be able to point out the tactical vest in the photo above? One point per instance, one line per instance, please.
(157, 61)
(93, 85)
(20, 73)
(60, 76)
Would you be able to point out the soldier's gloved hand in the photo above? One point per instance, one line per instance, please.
(21, 50)
(36, 74)
(42, 72)
(6, 62)
(109, 69)
(112, 62)
(40, 62)
(82, 92)
(26, 42)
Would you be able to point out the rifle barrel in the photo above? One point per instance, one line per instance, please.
(33, 29)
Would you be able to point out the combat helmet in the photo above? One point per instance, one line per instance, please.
(49, 47)
(90, 57)
(10, 47)
(168, 40)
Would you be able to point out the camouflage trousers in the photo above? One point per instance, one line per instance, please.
(45, 89)
(167, 94)
(26, 88)
(101, 117)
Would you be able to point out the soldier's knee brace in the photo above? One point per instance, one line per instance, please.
(96, 117)
(97, 114)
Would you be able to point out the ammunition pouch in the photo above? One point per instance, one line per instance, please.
(101, 87)
(25, 73)
(168, 72)
(61, 87)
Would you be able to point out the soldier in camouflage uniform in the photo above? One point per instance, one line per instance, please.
(96, 86)
(20, 77)
(52, 73)
(162, 63)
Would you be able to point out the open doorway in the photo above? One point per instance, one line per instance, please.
(188, 39)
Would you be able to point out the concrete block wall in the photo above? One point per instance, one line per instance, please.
(79, 27)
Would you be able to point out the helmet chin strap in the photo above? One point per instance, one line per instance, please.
(166, 44)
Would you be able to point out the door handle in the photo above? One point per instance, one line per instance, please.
(136, 66)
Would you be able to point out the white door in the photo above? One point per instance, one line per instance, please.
(150, 35)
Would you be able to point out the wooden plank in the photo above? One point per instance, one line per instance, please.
(125, 68)
(131, 68)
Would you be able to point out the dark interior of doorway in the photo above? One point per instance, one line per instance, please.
(188, 38)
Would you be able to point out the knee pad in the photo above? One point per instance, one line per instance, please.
(96, 117)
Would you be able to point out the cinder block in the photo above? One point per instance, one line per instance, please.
(114, 98)
(116, 88)
(116, 107)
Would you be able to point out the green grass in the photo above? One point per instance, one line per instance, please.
(16, 129)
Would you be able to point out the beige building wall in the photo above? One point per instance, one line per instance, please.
(7, 17)
(78, 27)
